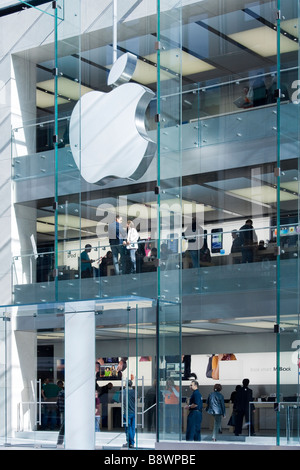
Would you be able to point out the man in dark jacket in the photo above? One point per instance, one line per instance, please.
(244, 396)
(248, 239)
(117, 235)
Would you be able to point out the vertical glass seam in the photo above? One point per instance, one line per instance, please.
(158, 227)
(278, 234)
(56, 148)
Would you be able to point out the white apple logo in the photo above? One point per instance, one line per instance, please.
(108, 138)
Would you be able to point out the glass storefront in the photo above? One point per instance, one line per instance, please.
(155, 187)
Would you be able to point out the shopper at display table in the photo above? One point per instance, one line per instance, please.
(86, 262)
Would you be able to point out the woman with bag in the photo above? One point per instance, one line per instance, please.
(131, 244)
(215, 406)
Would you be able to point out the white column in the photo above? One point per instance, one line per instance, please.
(80, 381)
(21, 380)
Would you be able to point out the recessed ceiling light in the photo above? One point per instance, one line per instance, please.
(263, 41)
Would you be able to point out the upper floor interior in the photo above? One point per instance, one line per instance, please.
(222, 133)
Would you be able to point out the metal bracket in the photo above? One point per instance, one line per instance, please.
(277, 93)
(277, 172)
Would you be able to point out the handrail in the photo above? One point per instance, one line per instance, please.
(36, 404)
(278, 406)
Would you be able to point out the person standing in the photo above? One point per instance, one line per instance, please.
(131, 244)
(244, 396)
(248, 239)
(150, 405)
(117, 236)
(50, 391)
(194, 420)
(104, 396)
(232, 419)
(86, 263)
(97, 412)
(194, 235)
(236, 242)
(171, 399)
(129, 414)
(61, 409)
(216, 407)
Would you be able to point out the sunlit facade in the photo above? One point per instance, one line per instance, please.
(180, 120)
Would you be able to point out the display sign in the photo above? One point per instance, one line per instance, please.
(259, 368)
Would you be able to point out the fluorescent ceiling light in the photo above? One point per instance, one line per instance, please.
(68, 89)
(290, 26)
(263, 41)
(146, 73)
(47, 100)
(128, 331)
(194, 331)
(47, 224)
(177, 60)
(265, 325)
(65, 87)
(291, 186)
(262, 194)
(172, 61)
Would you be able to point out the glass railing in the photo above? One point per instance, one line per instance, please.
(36, 279)
(270, 420)
(41, 162)
(235, 127)
(209, 264)
(215, 97)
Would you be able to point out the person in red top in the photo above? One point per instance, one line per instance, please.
(171, 398)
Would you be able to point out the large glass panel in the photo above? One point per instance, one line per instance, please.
(230, 200)
(34, 375)
(169, 171)
(210, 144)
(288, 343)
(34, 152)
(26, 365)
(125, 371)
(67, 210)
(74, 208)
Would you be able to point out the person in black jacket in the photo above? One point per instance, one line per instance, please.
(248, 239)
(243, 397)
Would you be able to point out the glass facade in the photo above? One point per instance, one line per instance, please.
(150, 206)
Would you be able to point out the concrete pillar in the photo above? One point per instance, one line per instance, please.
(80, 381)
(21, 379)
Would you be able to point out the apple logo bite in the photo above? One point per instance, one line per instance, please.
(108, 138)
